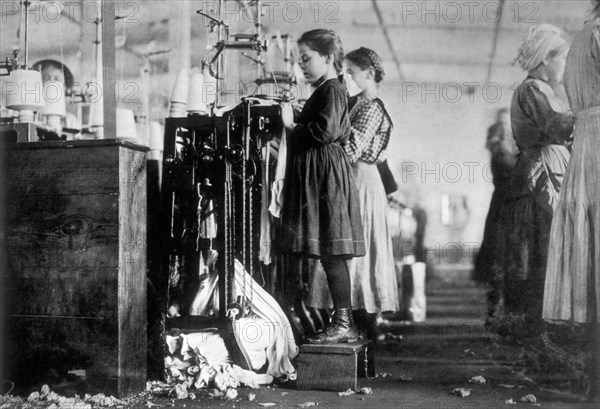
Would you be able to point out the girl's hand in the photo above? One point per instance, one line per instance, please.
(287, 115)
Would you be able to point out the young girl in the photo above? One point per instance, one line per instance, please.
(373, 277)
(542, 126)
(321, 214)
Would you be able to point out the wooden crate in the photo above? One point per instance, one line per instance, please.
(75, 281)
(334, 367)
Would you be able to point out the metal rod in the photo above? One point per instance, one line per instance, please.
(227, 213)
(220, 60)
(258, 25)
(495, 40)
(97, 44)
(388, 40)
(245, 195)
(26, 5)
(109, 79)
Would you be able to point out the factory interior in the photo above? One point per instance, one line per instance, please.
(144, 249)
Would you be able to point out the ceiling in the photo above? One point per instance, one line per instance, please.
(420, 41)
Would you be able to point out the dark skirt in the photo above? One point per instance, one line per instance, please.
(527, 217)
(486, 270)
(321, 210)
(524, 239)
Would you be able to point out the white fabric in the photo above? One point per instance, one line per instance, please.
(277, 188)
(264, 254)
(205, 294)
(266, 335)
(275, 328)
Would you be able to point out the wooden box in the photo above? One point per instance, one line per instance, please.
(334, 367)
(75, 279)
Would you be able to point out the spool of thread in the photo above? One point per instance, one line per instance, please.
(55, 109)
(54, 96)
(179, 95)
(196, 103)
(126, 124)
(97, 119)
(157, 137)
(209, 88)
(23, 92)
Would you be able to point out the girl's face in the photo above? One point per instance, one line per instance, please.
(555, 67)
(313, 65)
(52, 74)
(362, 78)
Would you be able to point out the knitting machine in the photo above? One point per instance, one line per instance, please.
(212, 196)
(212, 173)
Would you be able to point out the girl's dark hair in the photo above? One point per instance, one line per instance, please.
(45, 64)
(366, 58)
(325, 42)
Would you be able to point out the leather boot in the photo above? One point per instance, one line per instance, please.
(342, 329)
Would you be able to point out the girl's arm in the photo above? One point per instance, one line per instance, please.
(536, 104)
(323, 123)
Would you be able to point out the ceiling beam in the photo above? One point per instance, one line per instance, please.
(457, 62)
(388, 40)
(497, 29)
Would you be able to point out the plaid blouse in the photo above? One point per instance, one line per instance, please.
(371, 129)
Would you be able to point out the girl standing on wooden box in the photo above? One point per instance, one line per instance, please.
(373, 277)
(321, 211)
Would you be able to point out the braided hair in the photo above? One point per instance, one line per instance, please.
(366, 58)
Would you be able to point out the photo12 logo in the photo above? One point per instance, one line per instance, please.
(451, 92)
(453, 12)
(93, 92)
(450, 172)
(276, 11)
(54, 11)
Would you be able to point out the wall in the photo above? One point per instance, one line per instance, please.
(440, 129)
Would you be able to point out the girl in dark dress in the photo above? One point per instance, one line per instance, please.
(542, 128)
(321, 211)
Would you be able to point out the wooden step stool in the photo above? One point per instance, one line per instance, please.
(334, 367)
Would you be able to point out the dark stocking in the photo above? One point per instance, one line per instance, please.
(338, 279)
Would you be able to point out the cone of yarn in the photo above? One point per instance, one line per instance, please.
(54, 96)
(97, 119)
(23, 92)
(196, 103)
(179, 95)
(126, 124)
(156, 140)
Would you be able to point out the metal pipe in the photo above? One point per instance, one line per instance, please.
(220, 60)
(258, 25)
(388, 39)
(495, 40)
(25, 8)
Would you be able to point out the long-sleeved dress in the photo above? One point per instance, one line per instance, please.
(572, 289)
(542, 127)
(503, 157)
(321, 211)
(372, 277)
